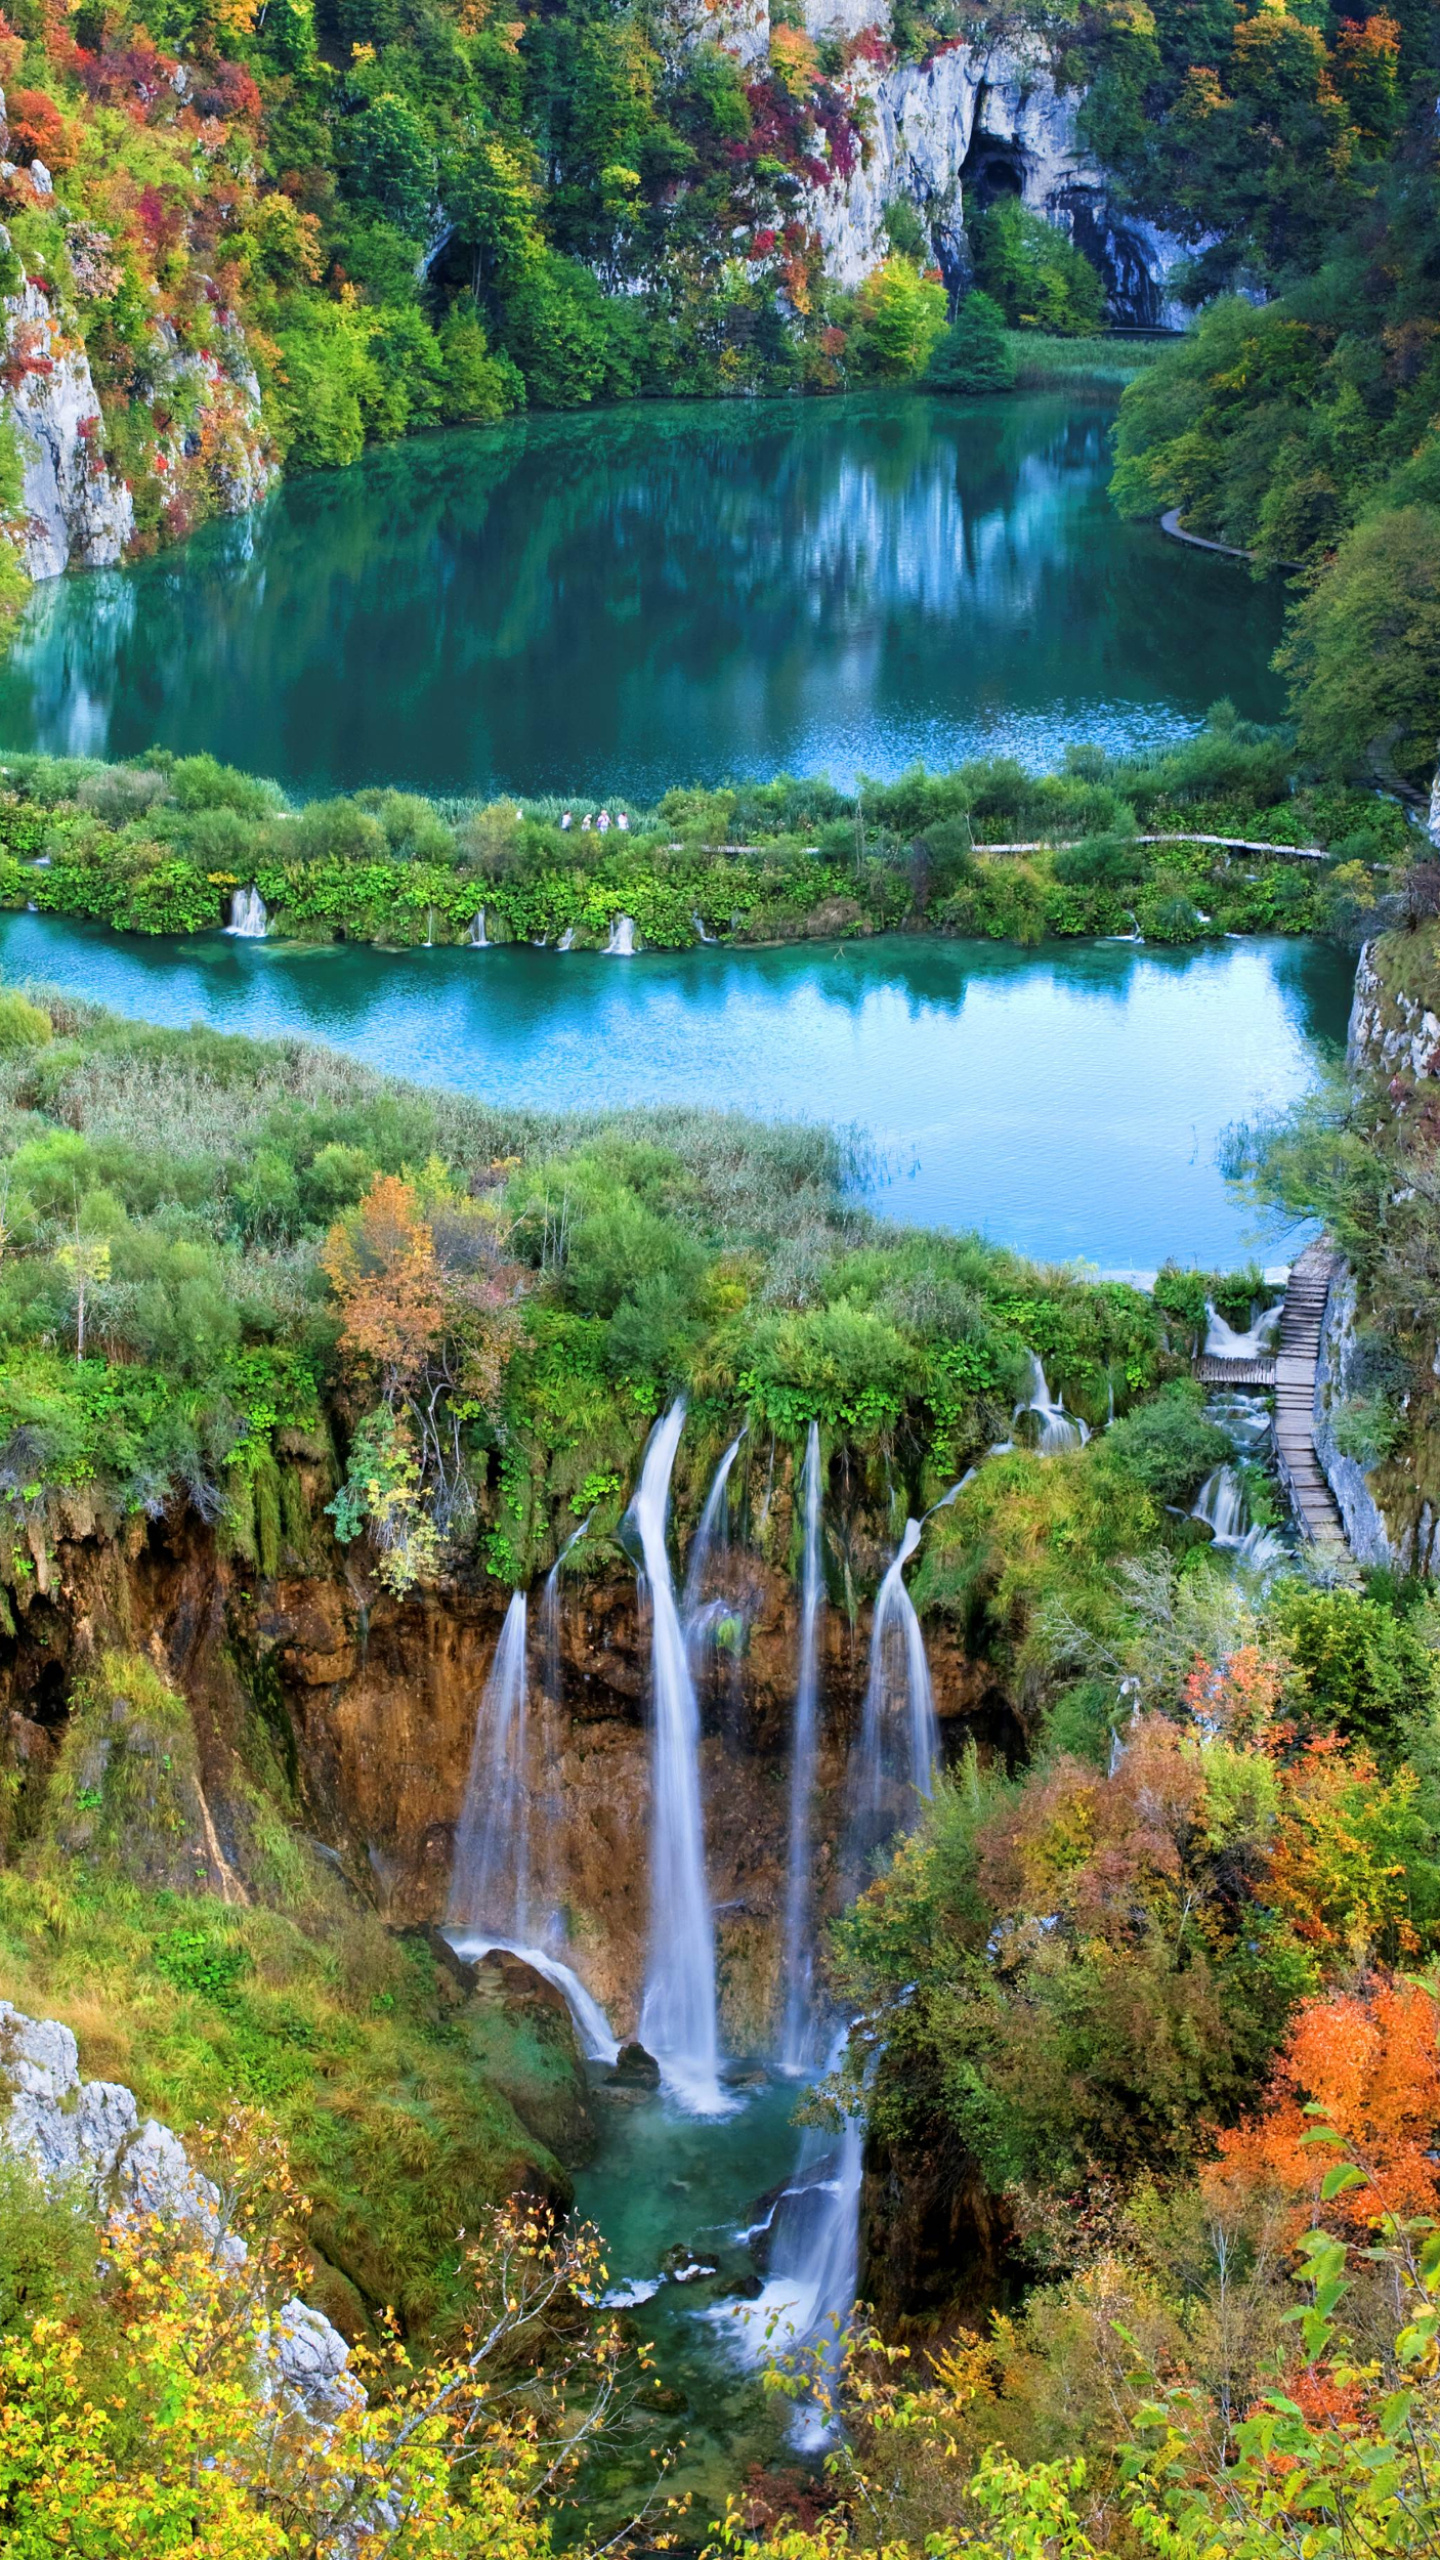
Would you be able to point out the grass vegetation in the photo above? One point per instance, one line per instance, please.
(161, 846)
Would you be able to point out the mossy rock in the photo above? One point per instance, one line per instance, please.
(520, 2031)
(126, 1793)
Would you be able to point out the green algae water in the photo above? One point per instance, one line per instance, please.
(1068, 1101)
(661, 594)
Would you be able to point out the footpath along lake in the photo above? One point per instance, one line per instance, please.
(1067, 1101)
(614, 603)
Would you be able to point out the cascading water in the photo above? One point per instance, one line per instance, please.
(677, 2014)
(1223, 1343)
(700, 1615)
(899, 1738)
(797, 2030)
(809, 2292)
(621, 945)
(491, 1885)
(567, 939)
(490, 1881)
(248, 919)
(479, 939)
(1222, 1505)
(700, 933)
(1058, 1429)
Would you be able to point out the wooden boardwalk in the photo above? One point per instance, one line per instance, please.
(1297, 1353)
(1235, 1373)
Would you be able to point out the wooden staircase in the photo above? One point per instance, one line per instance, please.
(1297, 1352)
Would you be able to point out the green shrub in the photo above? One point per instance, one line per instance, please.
(22, 1025)
(1036, 275)
(975, 354)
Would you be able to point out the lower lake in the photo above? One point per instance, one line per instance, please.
(1067, 1101)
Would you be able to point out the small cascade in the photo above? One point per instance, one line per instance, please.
(621, 945)
(709, 1545)
(677, 2015)
(491, 1886)
(814, 2259)
(550, 1797)
(899, 1737)
(429, 928)
(479, 939)
(1223, 1343)
(700, 933)
(1058, 1429)
(798, 2025)
(1221, 1504)
(248, 919)
(567, 939)
(592, 2027)
(490, 1881)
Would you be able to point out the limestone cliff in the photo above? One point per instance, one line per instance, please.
(949, 134)
(76, 509)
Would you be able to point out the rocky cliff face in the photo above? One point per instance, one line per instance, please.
(971, 123)
(1391, 1512)
(76, 509)
(372, 1703)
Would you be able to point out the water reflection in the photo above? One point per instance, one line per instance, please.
(1068, 1100)
(615, 602)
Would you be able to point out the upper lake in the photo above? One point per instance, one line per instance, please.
(615, 602)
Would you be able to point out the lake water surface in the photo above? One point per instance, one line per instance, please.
(1067, 1101)
(618, 602)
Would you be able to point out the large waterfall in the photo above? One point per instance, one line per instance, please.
(248, 919)
(797, 2029)
(677, 2016)
(899, 1739)
(621, 945)
(491, 1887)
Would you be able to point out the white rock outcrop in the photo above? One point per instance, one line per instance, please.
(77, 513)
(88, 2133)
(1391, 1033)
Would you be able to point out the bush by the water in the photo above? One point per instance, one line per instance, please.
(975, 353)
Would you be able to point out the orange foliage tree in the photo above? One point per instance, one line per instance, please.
(1361, 2073)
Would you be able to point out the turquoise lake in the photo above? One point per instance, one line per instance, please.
(1067, 1101)
(659, 594)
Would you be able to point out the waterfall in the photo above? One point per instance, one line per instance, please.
(1222, 1343)
(1221, 1504)
(798, 2026)
(712, 1535)
(248, 919)
(479, 940)
(814, 2259)
(700, 933)
(490, 1881)
(567, 939)
(550, 1801)
(490, 1886)
(677, 2015)
(1058, 1429)
(621, 945)
(899, 1738)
